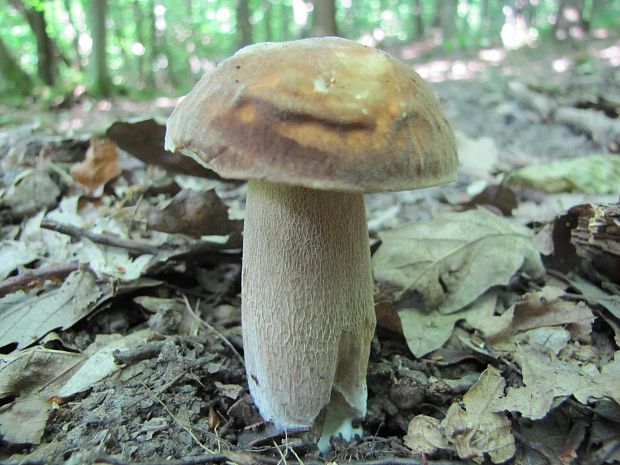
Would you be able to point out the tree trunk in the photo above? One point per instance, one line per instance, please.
(139, 19)
(76, 38)
(324, 18)
(117, 18)
(485, 18)
(447, 15)
(418, 23)
(570, 22)
(267, 20)
(244, 27)
(46, 59)
(285, 17)
(101, 85)
(10, 71)
(151, 47)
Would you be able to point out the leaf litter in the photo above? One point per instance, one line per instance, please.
(120, 320)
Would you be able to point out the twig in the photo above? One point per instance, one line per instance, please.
(207, 251)
(36, 277)
(198, 460)
(211, 328)
(78, 233)
(143, 352)
(188, 430)
(246, 459)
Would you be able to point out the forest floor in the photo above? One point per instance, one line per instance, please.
(120, 324)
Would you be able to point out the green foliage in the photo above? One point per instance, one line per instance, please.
(164, 46)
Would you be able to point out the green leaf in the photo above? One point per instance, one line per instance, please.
(592, 174)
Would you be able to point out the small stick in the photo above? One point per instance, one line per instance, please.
(32, 278)
(78, 233)
(246, 458)
(211, 328)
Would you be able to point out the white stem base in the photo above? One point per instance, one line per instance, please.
(307, 302)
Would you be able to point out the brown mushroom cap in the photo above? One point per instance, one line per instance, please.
(323, 113)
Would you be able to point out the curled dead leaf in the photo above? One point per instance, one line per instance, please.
(99, 166)
(471, 427)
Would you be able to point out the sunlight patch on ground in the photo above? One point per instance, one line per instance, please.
(611, 54)
(442, 70)
(561, 64)
(492, 55)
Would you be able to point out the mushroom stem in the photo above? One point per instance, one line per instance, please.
(307, 302)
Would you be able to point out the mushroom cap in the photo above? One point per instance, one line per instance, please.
(324, 113)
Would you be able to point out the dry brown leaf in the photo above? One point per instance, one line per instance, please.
(34, 190)
(24, 318)
(549, 380)
(424, 435)
(36, 372)
(471, 427)
(539, 309)
(232, 391)
(193, 213)
(100, 165)
(32, 376)
(23, 421)
(145, 141)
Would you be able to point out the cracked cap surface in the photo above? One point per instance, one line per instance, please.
(324, 113)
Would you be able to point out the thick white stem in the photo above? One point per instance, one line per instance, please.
(307, 302)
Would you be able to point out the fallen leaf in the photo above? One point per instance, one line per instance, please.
(424, 435)
(595, 294)
(497, 196)
(428, 331)
(32, 191)
(14, 254)
(549, 380)
(542, 308)
(232, 391)
(548, 436)
(113, 262)
(471, 427)
(145, 141)
(101, 363)
(171, 316)
(99, 166)
(32, 376)
(193, 213)
(447, 263)
(591, 174)
(23, 421)
(387, 317)
(477, 157)
(36, 372)
(24, 318)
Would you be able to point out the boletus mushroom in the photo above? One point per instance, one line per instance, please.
(312, 124)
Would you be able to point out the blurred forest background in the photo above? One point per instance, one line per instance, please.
(58, 50)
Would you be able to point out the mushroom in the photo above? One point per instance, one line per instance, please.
(313, 124)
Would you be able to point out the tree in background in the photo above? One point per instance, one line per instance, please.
(570, 20)
(244, 27)
(445, 18)
(101, 83)
(10, 71)
(324, 18)
(163, 46)
(418, 22)
(46, 49)
(76, 40)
